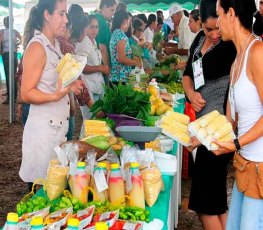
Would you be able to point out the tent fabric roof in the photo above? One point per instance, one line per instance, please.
(5, 3)
(153, 5)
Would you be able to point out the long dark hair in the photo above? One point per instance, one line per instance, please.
(207, 9)
(118, 19)
(151, 18)
(78, 20)
(38, 14)
(29, 28)
(107, 3)
(195, 14)
(244, 10)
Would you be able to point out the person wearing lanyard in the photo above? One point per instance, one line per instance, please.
(47, 122)
(245, 111)
(94, 70)
(206, 81)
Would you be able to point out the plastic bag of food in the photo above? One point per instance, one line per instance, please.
(85, 216)
(152, 181)
(56, 180)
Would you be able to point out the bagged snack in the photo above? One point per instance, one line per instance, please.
(152, 180)
(84, 216)
(56, 180)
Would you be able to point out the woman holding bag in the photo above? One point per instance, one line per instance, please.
(245, 109)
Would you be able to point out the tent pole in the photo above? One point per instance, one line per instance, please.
(12, 115)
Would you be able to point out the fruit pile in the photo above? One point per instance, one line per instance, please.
(158, 107)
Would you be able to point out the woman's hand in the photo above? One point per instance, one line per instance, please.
(197, 101)
(224, 147)
(61, 91)
(76, 87)
(105, 69)
(137, 62)
(194, 144)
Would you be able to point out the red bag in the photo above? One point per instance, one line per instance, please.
(189, 111)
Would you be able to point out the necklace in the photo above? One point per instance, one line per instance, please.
(234, 77)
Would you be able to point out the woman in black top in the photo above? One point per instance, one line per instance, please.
(206, 81)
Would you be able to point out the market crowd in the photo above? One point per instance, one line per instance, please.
(221, 51)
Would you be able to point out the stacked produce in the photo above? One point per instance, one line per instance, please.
(212, 126)
(175, 125)
(173, 87)
(123, 99)
(96, 128)
(68, 69)
(158, 107)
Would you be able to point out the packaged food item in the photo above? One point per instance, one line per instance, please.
(136, 195)
(175, 126)
(101, 226)
(73, 223)
(58, 219)
(37, 223)
(104, 195)
(84, 216)
(56, 180)
(212, 126)
(11, 221)
(116, 185)
(79, 183)
(109, 218)
(152, 181)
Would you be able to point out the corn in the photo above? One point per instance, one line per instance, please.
(178, 117)
(66, 69)
(228, 137)
(183, 136)
(208, 140)
(206, 119)
(175, 124)
(202, 133)
(223, 130)
(194, 126)
(63, 61)
(214, 126)
(96, 122)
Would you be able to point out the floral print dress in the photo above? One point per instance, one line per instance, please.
(119, 72)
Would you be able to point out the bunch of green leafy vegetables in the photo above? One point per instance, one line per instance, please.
(136, 51)
(157, 39)
(123, 99)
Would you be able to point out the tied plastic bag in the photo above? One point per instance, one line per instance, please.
(151, 175)
(56, 180)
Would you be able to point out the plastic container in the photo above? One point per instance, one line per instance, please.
(104, 195)
(136, 195)
(79, 183)
(116, 185)
(101, 226)
(73, 224)
(37, 223)
(12, 221)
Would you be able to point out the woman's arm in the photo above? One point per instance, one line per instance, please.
(34, 61)
(122, 58)
(255, 63)
(105, 54)
(94, 69)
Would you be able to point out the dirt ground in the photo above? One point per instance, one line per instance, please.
(12, 188)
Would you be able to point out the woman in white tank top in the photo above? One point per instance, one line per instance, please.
(245, 110)
(47, 122)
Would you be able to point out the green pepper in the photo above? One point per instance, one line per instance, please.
(142, 217)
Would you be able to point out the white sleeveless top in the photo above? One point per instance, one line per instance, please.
(249, 108)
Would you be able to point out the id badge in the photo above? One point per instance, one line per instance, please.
(198, 73)
(232, 103)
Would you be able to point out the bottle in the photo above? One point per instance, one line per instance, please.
(79, 183)
(73, 224)
(101, 226)
(136, 195)
(153, 88)
(104, 195)
(37, 223)
(116, 185)
(12, 221)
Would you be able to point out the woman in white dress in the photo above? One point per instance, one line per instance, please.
(47, 122)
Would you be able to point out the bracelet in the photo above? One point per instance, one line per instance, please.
(237, 145)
